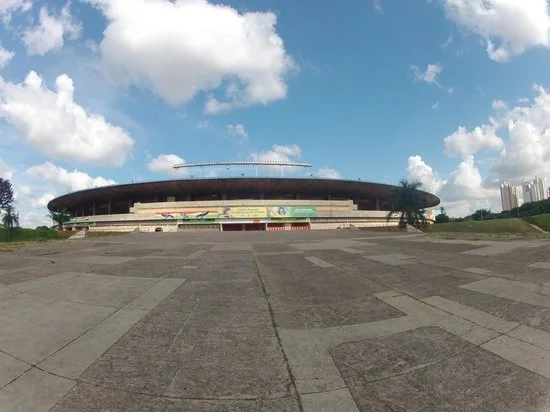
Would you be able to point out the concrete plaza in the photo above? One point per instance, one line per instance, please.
(282, 321)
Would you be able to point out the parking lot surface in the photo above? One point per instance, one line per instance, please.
(283, 321)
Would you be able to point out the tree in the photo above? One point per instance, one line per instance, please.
(60, 217)
(6, 194)
(442, 218)
(9, 219)
(482, 214)
(408, 202)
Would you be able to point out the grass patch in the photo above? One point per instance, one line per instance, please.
(542, 221)
(19, 234)
(381, 229)
(101, 234)
(494, 226)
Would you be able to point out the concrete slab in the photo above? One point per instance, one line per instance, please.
(478, 271)
(521, 353)
(7, 292)
(196, 254)
(393, 259)
(156, 294)
(32, 327)
(531, 335)
(319, 262)
(34, 391)
(105, 260)
(49, 280)
(336, 400)
(477, 316)
(92, 289)
(76, 357)
(232, 246)
(430, 369)
(11, 368)
(519, 291)
(196, 329)
(540, 265)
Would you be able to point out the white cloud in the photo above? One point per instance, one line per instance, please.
(465, 183)
(508, 27)
(164, 164)
(7, 7)
(24, 191)
(429, 75)
(435, 106)
(464, 143)
(279, 153)
(180, 48)
(71, 181)
(57, 126)
(238, 130)
(377, 4)
(49, 34)
(6, 171)
(462, 192)
(32, 219)
(520, 135)
(447, 43)
(419, 171)
(499, 105)
(327, 173)
(205, 124)
(5, 56)
(42, 201)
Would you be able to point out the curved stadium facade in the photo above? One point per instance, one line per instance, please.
(228, 204)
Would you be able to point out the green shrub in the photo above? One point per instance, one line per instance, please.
(19, 234)
(542, 221)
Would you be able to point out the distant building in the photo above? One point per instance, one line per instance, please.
(509, 197)
(539, 184)
(533, 190)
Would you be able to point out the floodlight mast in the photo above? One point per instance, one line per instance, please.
(254, 163)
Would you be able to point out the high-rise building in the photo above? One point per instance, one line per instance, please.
(509, 197)
(533, 190)
(539, 184)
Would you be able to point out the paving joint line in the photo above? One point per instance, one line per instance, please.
(275, 329)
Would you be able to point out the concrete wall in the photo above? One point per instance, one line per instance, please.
(344, 225)
(144, 216)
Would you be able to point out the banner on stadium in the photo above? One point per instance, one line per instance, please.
(288, 211)
(240, 212)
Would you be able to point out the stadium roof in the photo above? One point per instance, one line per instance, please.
(200, 187)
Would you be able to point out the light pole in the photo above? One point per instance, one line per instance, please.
(481, 209)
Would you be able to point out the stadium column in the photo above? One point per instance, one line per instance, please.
(262, 195)
(93, 209)
(224, 196)
(377, 204)
(109, 207)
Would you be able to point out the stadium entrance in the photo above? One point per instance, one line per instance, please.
(261, 226)
(242, 227)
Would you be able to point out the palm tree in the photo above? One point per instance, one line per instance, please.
(407, 200)
(10, 219)
(60, 217)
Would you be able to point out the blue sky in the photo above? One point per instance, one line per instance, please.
(451, 93)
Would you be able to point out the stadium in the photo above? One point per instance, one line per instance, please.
(232, 203)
